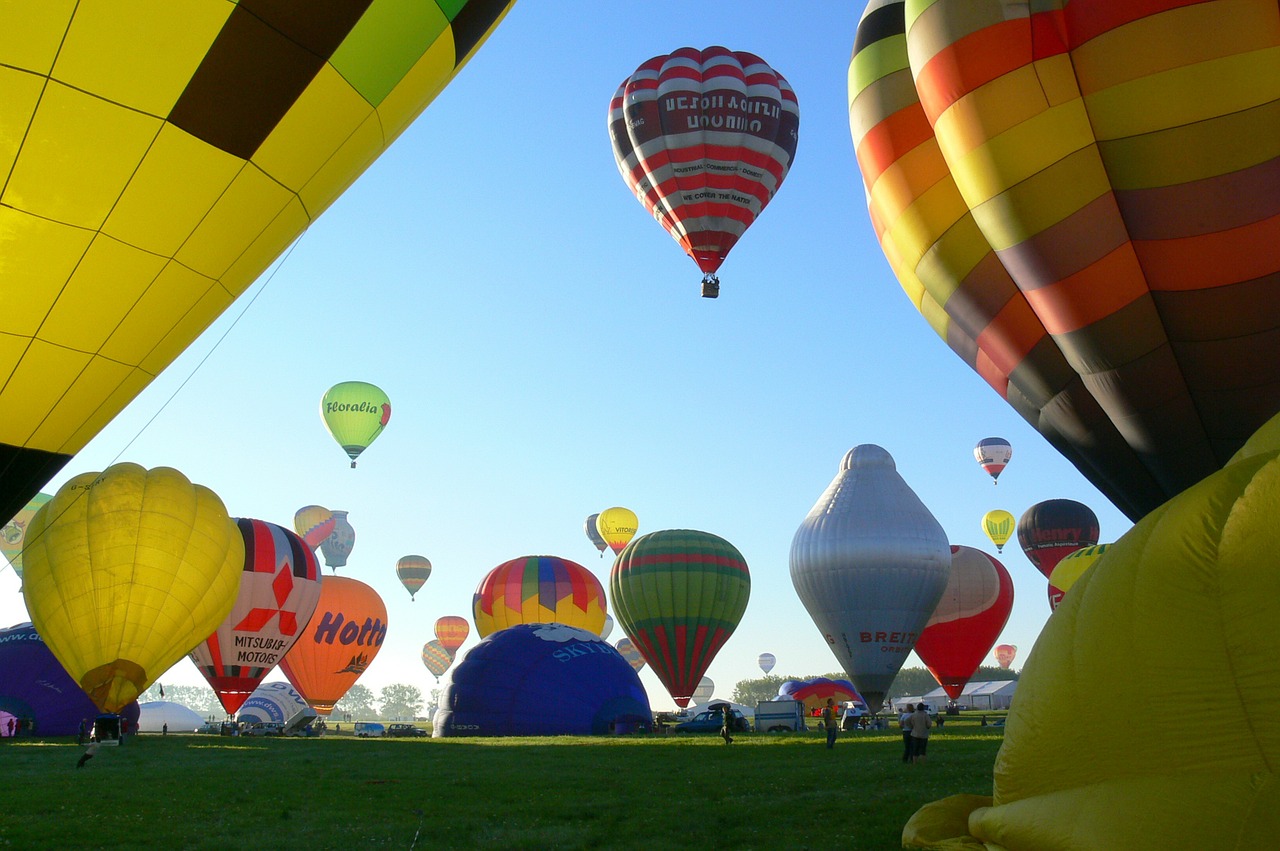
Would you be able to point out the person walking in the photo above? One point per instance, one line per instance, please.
(830, 722)
(89, 753)
(726, 726)
(919, 724)
(903, 718)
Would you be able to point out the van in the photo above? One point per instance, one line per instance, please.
(776, 716)
(370, 729)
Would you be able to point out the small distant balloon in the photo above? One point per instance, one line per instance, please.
(999, 526)
(412, 572)
(355, 413)
(617, 526)
(593, 534)
(705, 689)
(1051, 530)
(341, 541)
(608, 626)
(436, 658)
(767, 661)
(1005, 654)
(452, 632)
(313, 523)
(631, 653)
(993, 454)
(15, 531)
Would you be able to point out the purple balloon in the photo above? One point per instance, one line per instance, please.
(33, 684)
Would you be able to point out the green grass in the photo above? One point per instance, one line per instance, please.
(209, 792)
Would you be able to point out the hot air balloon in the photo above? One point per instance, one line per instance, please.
(608, 626)
(998, 524)
(157, 161)
(412, 572)
(1071, 568)
(538, 589)
(631, 653)
(313, 523)
(345, 634)
(594, 535)
(1071, 239)
(436, 658)
(126, 571)
(704, 139)
(703, 691)
(967, 620)
(355, 413)
(870, 563)
(617, 526)
(766, 661)
(1050, 530)
(993, 454)
(679, 594)
(542, 680)
(274, 701)
(279, 589)
(813, 693)
(341, 541)
(1005, 654)
(451, 632)
(14, 532)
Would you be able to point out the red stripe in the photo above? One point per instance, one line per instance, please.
(897, 134)
(1086, 19)
(971, 62)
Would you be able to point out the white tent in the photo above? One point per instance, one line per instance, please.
(153, 717)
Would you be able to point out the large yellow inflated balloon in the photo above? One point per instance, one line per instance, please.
(126, 571)
(1192, 594)
(156, 157)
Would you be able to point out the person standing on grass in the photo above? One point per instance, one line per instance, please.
(726, 727)
(89, 753)
(903, 724)
(919, 724)
(830, 722)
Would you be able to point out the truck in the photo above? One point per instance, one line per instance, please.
(774, 716)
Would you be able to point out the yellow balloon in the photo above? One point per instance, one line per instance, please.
(1188, 600)
(127, 571)
(999, 526)
(617, 526)
(1071, 568)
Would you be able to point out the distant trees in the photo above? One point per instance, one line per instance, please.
(400, 702)
(357, 702)
(199, 699)
(910, 681)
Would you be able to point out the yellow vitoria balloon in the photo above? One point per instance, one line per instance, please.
(1071, 568)
(617, 526)
(127, 571)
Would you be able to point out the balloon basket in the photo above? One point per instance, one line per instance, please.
(710, 286)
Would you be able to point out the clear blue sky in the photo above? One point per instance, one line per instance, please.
(547, 353)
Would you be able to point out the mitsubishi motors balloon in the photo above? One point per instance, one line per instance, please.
(870, 563)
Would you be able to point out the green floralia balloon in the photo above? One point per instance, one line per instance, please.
(679, 595)
(355, 413)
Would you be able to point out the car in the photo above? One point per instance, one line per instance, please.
(406, 730)
(711, 721)
(370, 730)
(264, 728)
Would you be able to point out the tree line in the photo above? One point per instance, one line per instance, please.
(396, 702)
(908, 683)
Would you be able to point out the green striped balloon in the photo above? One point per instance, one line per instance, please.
(679, 594)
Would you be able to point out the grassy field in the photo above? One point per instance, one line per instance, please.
(209, 792)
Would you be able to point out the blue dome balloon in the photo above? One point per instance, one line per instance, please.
(543, 679)
(33, 684)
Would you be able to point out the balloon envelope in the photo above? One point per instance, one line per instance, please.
(704, 139)
(542, 680)
(992, 455)
(274, 701)
(128, 570)
(967, 620)
(593, 534)
(451, 632)
(279, 589)
(1070, 569)
(870, 563)
(313, 523)
(1046, 230)
(608, 626)
(1005, 654)
(766, 661)
(355, 413)
(412, 572)
(814, 693)
(1050, 530)
(15, 531)
(341, 541)
(705, 688)
(436, 658)
(631, 653)
(345, 634)
(679, 594)
(158, 158)
(999, 526)
(33, 684)
(538, 589)
(617, 526)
